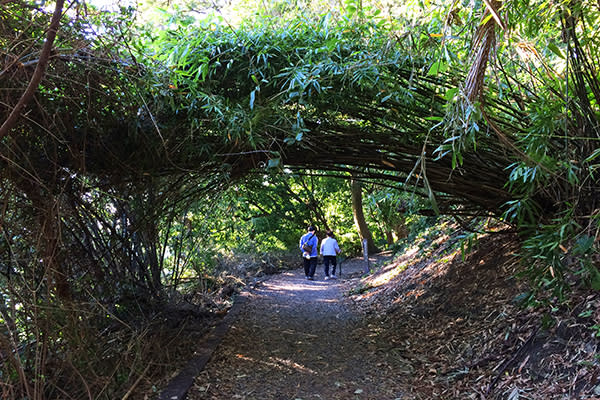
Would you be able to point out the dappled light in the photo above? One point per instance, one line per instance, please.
(394, 269)
(296, 287)
(161, 161)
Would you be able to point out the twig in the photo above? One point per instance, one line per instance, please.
(138, 380)
(507, 363)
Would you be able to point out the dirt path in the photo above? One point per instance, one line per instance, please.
(298, 339)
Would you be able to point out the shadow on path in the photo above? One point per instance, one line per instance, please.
(299, 339)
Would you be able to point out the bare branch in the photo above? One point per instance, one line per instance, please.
(37, 75)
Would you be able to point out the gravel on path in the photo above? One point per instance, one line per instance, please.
(299, 339)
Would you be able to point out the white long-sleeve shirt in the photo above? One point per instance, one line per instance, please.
(329, 247)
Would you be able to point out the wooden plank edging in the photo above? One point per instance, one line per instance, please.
(179, 386)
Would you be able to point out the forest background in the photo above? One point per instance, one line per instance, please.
(148, 151)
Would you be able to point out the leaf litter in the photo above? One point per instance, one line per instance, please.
(441, 328)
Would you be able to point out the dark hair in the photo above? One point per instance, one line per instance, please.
(311, 228)
(329, 233)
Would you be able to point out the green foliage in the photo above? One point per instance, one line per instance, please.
(389, 207)
(395, 213)
(586, 250)
(558, 256)
(270, 212)
(275, 73)
(129, 171)
(467, 242)
(541, 106)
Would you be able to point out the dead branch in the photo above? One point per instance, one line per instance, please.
(40, 69)
(509, 362)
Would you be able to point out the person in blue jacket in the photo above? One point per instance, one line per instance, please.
(308, 247)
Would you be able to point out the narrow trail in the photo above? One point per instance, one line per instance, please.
(298, 339)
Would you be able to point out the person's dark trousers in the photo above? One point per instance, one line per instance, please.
(306, 266)
(310, 266)
(326, 261)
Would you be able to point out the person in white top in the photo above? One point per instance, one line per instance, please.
(329, 250)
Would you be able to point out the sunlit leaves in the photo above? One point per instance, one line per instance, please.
(274, 73)
(437, 67)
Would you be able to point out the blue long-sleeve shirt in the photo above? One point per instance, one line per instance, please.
(312, 240)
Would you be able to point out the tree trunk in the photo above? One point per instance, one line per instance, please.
(389, 237)
(359, 216)
(47, 210)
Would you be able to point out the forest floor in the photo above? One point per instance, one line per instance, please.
(424, 325)
(298, 339)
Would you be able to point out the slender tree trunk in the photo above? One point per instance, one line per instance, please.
(38, 74)
(359, 216)
(389, 237)
(47, 210)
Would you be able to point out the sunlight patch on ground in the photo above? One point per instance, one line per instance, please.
(279, 363)
(365, 295)
(395, 269)
(411, 293)
(311, 286)
(294, 365)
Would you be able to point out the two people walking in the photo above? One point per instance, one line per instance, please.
(329, 250)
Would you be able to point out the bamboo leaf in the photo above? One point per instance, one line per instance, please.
(595, 154)
(554, 48)
(486, 19)
(583, 244)
(431, 195)
(450, 93)
(386, 98)
(437, 67)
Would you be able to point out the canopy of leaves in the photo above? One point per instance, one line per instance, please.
(139, 143)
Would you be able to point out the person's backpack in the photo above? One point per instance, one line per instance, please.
(307, 247)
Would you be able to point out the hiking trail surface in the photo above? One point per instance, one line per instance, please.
(300, 339)
(426, 324)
